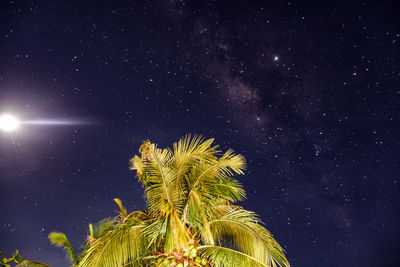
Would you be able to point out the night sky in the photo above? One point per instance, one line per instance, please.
(308, 92)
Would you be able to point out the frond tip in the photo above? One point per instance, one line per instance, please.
(28, 263)
(60, 240)
(122, 211)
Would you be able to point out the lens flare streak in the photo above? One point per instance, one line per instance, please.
(55, 122)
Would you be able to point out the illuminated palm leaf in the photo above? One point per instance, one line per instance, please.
(125, 244)
(60, 240)
(227, 257)
(241, 229)
(29, 263)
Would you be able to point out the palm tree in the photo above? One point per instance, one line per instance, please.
(191, 218)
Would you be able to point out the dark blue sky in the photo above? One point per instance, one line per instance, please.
(308, 92)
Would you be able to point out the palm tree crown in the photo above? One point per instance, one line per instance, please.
(191, 217)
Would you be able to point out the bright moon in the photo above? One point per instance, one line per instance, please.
(8, 123)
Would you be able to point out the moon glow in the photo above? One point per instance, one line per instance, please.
(9, 123)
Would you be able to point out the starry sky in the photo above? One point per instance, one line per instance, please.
(307, 91)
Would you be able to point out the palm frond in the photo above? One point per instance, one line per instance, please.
(60, 240)
(231, 163)
(189, 150)
(227, 257)
(137, 164)
(159, 192)
(154, 231)
(29, 263)
(209, 182)
(230, 189)
(226, 166)
(242, 230)
(124, 244)
(122, 211)
(103, 226)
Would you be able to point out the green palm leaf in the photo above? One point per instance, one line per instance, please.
(29, 263)
(124, 244)
(227, 257)
(241, 229)
(60, 240)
